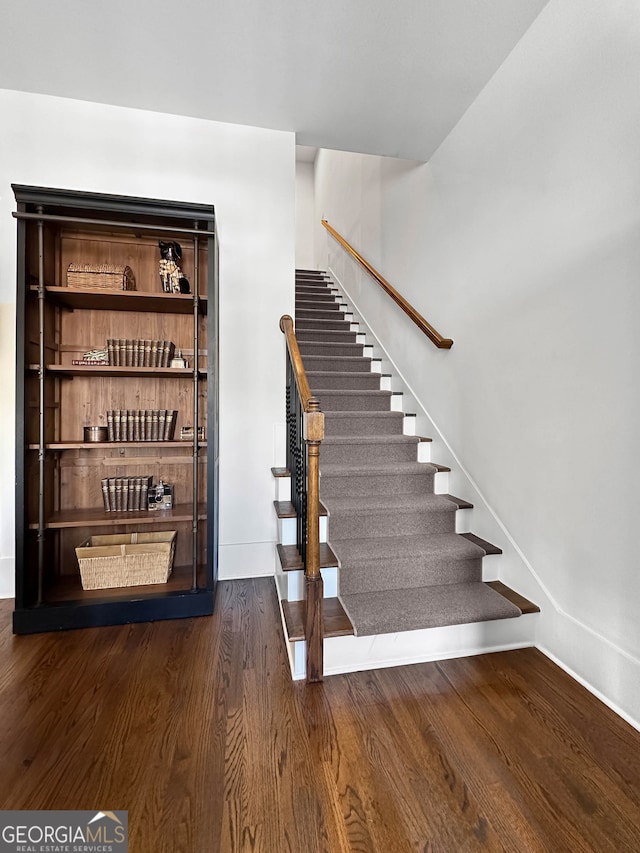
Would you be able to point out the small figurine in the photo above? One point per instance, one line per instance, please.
(173, 281)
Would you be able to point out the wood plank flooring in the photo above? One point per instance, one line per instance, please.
(195, 728)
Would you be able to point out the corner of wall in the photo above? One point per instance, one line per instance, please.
(7, 576)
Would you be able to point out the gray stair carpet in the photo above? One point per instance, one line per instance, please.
(402, 565)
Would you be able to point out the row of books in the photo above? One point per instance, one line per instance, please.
(126, 494)
(123, 352)
(139, 425)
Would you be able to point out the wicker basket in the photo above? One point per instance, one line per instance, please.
(126, 559)
(100, 277)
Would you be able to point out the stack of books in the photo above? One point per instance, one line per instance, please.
(123, 352)
(126, 494)
(138, 425)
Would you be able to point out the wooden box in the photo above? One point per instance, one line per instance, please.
(100, 276)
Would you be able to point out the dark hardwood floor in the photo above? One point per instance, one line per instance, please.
(195, 728)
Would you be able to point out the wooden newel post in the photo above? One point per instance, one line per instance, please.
(313, 433)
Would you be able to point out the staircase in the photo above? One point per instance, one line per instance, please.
(403, 569)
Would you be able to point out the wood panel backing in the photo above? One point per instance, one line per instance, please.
(138, 251)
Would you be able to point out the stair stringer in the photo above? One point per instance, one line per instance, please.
(511, 567)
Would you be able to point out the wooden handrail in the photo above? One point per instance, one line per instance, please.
(312, 435)
(309, 402)
(410, 311)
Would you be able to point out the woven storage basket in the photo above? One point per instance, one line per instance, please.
(101, 277)
(127, 559)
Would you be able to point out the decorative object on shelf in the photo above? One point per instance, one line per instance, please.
(173, 281)
(95, 358)
(126, 352)
(125, 494)
(160, 496)
(141, 425)
(179, 360)
(96, 434)
(100, 276)
(126, 559)
(186, 433)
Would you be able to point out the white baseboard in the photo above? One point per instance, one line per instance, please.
(603, 668)
(245, 560)
(7, 577)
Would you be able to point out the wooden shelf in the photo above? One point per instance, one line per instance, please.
(69, 588)
(123, 300)
(119, 445)
(95, 517)
(71, 370)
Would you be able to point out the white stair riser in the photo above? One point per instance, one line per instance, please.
(491, 567)
(409, 425)
(283, 488)
(441, 483)
(293, 588)
(356, 654)
(424, 452)
(287, 528)
(396, 402)
(463, 520)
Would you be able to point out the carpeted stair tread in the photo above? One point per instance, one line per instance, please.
(369, 449)
(346, 506)
(313, 290)
(353, 400)
(333, 380)
(419, 545)
(317, 296)
(391, 611)
(348, 392)
(317, 375)
(367, 514)
(419, 559)
(319, 314)
(394, 478)
(323, 325)
(339, 363)
(363, 423)
(403, 468)
(373, 439)
(329, 349)
(333, 304)
(338, 336)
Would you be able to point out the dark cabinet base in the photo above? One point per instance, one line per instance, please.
(58, 617)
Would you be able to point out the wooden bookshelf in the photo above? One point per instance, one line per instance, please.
(59, 496)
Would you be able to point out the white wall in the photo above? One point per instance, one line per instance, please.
(248, 174)
(521, 240)
(305, 254)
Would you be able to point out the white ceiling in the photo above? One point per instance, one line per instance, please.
(373, 76)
